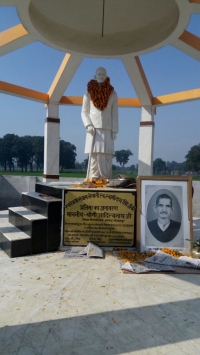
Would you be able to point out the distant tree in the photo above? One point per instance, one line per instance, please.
(84, 164)
(174, 167)
(159, 166)
(132, 167)
(193, 158)
(24, 152)
(122, 157)
(38, 147)
(67, 155)
(78, 166)
(182, 167)
(118, 168)
(171, 166)
(3, 160)
(7, 151)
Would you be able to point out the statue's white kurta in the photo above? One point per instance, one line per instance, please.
(105, 122)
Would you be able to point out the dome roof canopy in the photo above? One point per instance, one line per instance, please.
(128, 26)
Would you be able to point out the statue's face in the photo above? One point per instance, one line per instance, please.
(100, 75)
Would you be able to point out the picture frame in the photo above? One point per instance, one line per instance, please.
(164, 213)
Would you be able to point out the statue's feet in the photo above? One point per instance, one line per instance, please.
(100, 178)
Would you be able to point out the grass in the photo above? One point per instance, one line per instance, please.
(19, 173)
(73, 174)
(70, 174)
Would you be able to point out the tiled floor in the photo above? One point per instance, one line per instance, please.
(52, 305)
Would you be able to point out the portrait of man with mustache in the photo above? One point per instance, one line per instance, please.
(163, 228)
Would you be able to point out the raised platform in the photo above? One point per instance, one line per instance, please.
(104, 216)
(58, 215)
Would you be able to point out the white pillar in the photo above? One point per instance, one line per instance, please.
(51, 143)
(146, 142)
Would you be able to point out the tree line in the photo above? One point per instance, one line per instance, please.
(191, 164)
(27, 151)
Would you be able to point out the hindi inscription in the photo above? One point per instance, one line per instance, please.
(103, 218)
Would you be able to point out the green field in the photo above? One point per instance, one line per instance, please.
(35, 173)
(72, 174)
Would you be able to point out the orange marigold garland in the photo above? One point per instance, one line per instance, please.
(133, 257)
(100, 94)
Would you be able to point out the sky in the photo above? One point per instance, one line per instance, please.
(168, 70)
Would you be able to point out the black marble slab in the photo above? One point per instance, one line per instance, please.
(49, 190)
(50, 208)
(15, 248)
(36, 229)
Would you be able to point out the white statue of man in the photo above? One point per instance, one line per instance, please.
(100, 118)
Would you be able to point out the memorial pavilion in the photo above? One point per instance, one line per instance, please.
(123, 29)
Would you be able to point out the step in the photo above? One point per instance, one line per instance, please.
(13, 241)
(4, 216)
(33, 224)
(50, 207)
(41, 203)
(44, 188)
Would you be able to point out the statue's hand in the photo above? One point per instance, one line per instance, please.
(114, 136)
(90, 129)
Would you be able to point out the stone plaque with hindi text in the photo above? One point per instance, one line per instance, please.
(103, 218)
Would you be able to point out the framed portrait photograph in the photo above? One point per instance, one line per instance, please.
(164, 213)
